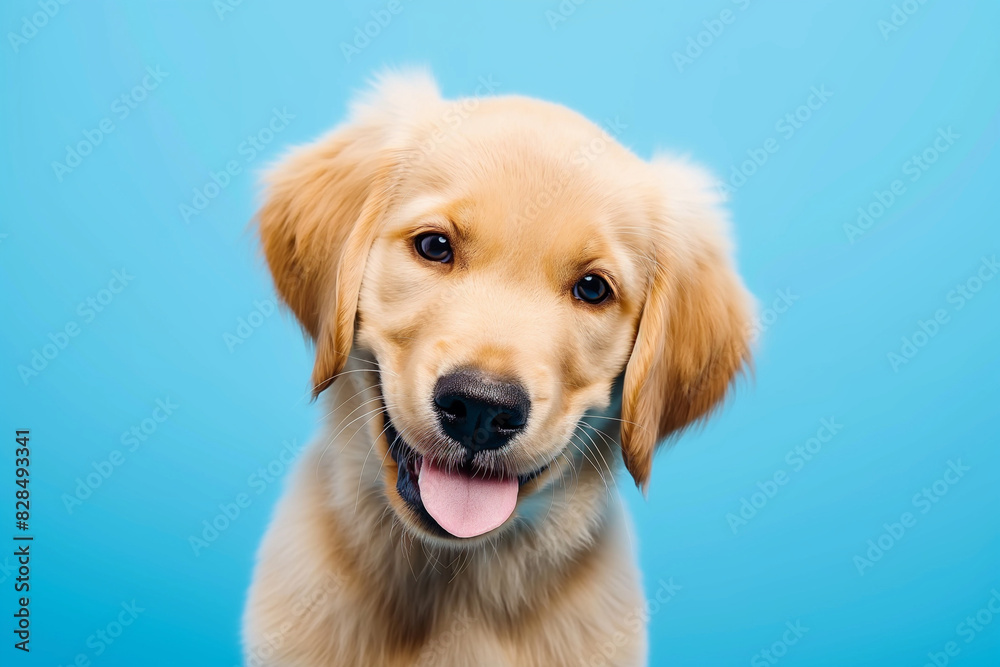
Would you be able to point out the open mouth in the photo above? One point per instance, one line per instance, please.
(460, 502)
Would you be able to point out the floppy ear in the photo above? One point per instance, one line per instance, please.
(323, 206)
(694, 330)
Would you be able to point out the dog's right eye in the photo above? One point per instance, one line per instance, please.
(591, 289)
(434, 247)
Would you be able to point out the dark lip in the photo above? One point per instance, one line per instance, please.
(406, 459)
(406, 479)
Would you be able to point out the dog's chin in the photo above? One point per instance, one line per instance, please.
(405, 491)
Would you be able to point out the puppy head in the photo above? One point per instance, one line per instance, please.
(510, 268)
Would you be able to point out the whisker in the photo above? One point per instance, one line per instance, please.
(345, 402)
(333, 437)
(592, 461)
(365, 462)
(606, 467)
(378, 369)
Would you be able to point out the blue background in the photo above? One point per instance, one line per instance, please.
(163, 336)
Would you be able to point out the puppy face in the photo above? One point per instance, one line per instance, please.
(509, 268)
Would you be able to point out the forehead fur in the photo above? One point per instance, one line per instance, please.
(516, 174)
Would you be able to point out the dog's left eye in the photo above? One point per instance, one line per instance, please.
(592, 289)
(434, 247)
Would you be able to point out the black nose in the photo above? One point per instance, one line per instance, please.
(479, 412)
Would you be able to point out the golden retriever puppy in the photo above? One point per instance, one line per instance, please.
(503, 301)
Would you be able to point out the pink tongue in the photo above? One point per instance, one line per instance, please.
(465, 506)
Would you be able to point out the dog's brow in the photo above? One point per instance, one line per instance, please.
(422, 206)
(461, 229)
